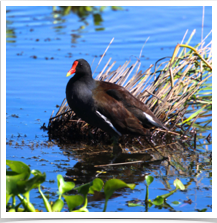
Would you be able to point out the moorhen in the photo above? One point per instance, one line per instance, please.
(107, 106)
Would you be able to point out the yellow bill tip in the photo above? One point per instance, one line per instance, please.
(68, 74)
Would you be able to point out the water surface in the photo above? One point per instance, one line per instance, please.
(42, 45)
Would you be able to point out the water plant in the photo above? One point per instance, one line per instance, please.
(19, 184)
(159, 200)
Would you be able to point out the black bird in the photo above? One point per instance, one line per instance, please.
(106, 105)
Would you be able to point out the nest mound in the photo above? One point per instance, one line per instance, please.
(168, 92)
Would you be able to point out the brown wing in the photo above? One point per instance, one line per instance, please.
(132, 104)
(122, 119)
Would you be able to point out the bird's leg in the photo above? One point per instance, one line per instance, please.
(151, 144)
(117, 150)
(116, 146)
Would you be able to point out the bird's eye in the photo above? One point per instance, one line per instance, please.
(81, 64)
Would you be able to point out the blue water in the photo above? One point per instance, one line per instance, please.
(34, 86)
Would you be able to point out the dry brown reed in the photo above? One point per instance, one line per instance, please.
(167, 91)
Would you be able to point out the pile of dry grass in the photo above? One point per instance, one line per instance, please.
(168, 91)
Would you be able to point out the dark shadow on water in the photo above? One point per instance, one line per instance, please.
(173, 159)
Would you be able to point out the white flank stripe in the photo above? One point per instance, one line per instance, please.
(150, 119)
(108, 123)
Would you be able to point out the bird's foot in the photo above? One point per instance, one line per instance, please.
(117, 148)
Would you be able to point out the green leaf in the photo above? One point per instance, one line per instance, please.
(178, 184)
(64, 186)
(11, 182)
(82, 209)
(18, 167)
(89, 8)
(12, 210)
(102, 8)
(97, 19)
(58, 205)
(176, 203)
(169, 194)
(202, 210)
(115, 8)
(149, 179)
(84, 188)
(20, 172)
(73, 201)
(158, 200)
(173, 191)
(97, 186)
(113, 185)
(135, 205)
(8, 196)
(28, 185)
(37, 173)
(194, 114)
